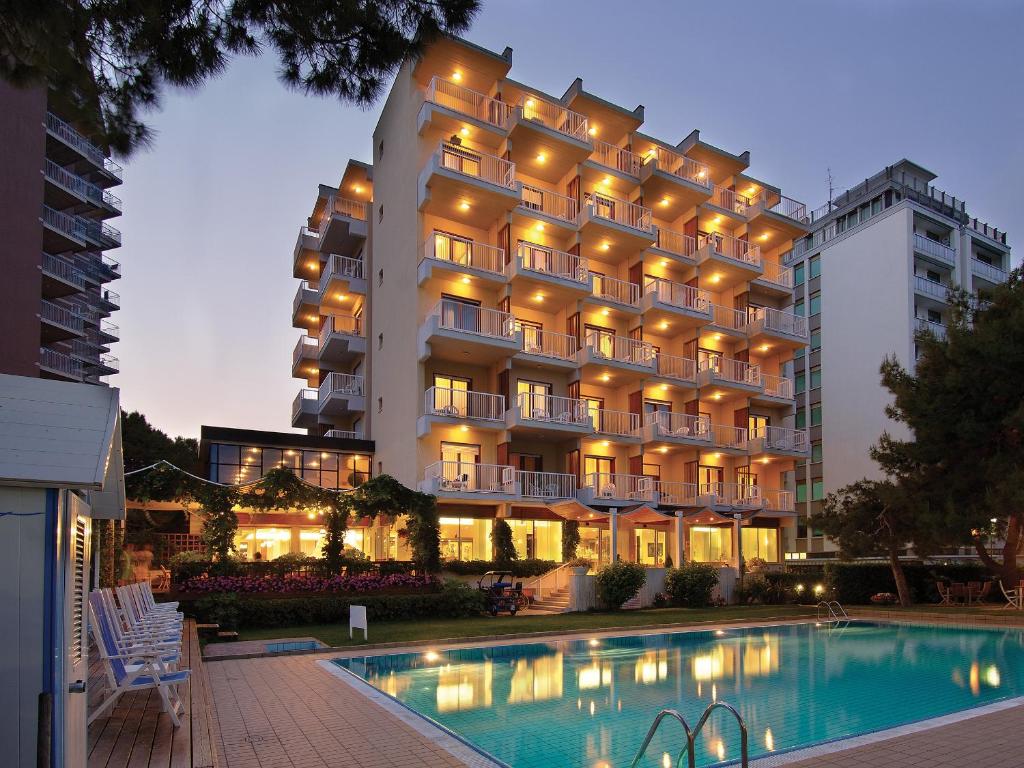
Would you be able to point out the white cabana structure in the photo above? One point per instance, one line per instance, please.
(60, 468)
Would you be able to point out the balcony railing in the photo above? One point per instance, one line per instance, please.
(729, 200)
(778, 500)
(616, 485)
(111, 298)
(984, 229)
(731, 494)
(109, 363)
(73, 138)
(468, 477)
(345, 434)
(554, 116)
(79, 186)
(682, 425)
(346, 325)
(468, 102)
(929, 326)
(353, 209)
(305, 347)
(619, 211)
(988, 271)
(673, 367)
(341, 267)
(58, 267)
(546, 485)
(346, 384)
(733, 248)
(465, 252)
(469, 318)
(560, 346)
(489, 168)
(935, 249)
(729, 318)
(674, 492)
(549, 203)
(931, 288)
(675, 242)
(728, 436)
(786, 206)
(620, 349)
(678, 294)
(548, 261)
(781, 438)
(777, 386)
(71, 226)
(777, 274)
(620, 159)
(463, 404)
(552, 408)
(58, 315)
(99, 233)
(777, 321)
(108, 328)
(618, 291)
(616, 423)
(729, 369)
(300, 295)
(57, 361)
(305, 395)
(682, 166)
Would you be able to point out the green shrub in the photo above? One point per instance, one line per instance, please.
(691, 584)
(221, 608)
(618, 582)
(519, 568)
(504, 546)
(855, 583)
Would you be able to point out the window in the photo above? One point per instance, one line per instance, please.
(533, 398)
(799, 308)
(798, 274)
(800, 419)
(760, 542)
(755, 424)
(380, 149)
(537, 539)
(815, 415)
(816, 304)
(380, 276)
(464, 538)
(380, 213)
(380, 341)
(816, 451)
(451, 395)
(710, 545)
(328, 469)
(815, 266)
(380, 405)
(599, 465)
(799, 352)
(815, 341)
(816, 378)
(800, 382)
(801, 492)
(817, 490)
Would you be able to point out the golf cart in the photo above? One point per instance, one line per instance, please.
(501, 593)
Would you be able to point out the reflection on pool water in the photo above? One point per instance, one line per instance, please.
(589, 703)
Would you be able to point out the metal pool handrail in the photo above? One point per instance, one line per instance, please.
(654, 727)
(692, 735)
(839, 615)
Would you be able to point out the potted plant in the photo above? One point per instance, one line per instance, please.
(580, 566)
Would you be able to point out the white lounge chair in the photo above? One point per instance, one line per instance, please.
(1014, 597)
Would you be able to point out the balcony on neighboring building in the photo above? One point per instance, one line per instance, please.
(60, 277)
(602, 349)
(725, 374)
(59, 323)
(616, 426)
(306, 305)
(933, 250)
(726, 261)
(669, 306)
(65, 189)
(988, 273)
(729, 439)
(457, 330)
(447, 106)
(344, 434)
(108, 332)
(342, 277)
(547, 139)
(461, 407)
(550, 208)
(674, 182)
(550, 415)
(672, 493)
(450, 256)
(674, 246)
(729, 495)
(728, 201)
(779, 441)
(775, 390)
(775, 279)
(678, 370)
(62, 231)
(65, 144)
(341, 340)
(768, 327)
(614, 293)
(468, 480)
(770, 210)
(932, 293)
(57, 365)
(617, 159)
(610, 488)
(304, 409)
(775, 500)
(344, 225)
(923, 325)
(304, 358)
(670, 428)
(341, 394)
(540, 273)
(99, 235)
(548, 349)
(604, 218)
(467, 185)
(306, 256)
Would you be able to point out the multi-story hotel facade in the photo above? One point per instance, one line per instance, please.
(55, 306)
(875, 269)
(541, 314)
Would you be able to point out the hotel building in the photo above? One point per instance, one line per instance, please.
(874, 269)
(542, 314)
(55, 306)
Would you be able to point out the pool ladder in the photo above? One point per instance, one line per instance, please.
(689, 749)
(836, 611)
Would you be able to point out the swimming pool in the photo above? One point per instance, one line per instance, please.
(588, 703)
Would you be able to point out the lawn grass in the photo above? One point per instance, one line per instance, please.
(446, 629)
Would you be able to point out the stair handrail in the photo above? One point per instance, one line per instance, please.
(538, 581)
(692, 735)
(841, 615)
(654, 727)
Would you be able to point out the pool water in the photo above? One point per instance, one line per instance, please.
(589, 703)
(294, 645)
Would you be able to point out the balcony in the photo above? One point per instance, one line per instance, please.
(769, 210)
(344, 225)
(68, 190)
(108, 333)
(99, 234)
(305, 305)
(97, 267)
(550, 415)
(57, 365)
(618, 426)
(615, 487)
(935, 251)
(304, 409)
(775, 279)
(304, 358)
(932, 292)
(341, 394)
(779, 441)
(467, 185)
(681, 182)
(670, 306)
(341, 277)
(443, 405)
(728, 375)
(64, 143)
(608, 218)
(463, 479)
(938, 330)
(548, 349)
(306, 256)
(602, 349)
(453, 330)
(447, 106)
(989, 273)
(617, 159)
(767, 327)
(675, 494)
(341, 341)
(551, 207)
(992, 233)
(729, 321)
(679, 370)
(59, 323)
(727, 201)
(775, 390)
(540, 273)
(62, 231)
(344, 434)
(669, 428)
(60, 278)
(729, 495)
(454, 257)
(545, 485)
(727, 261)
(614, 293)
(547, 139)
(676, 245)
(774, 500)
(729, 439)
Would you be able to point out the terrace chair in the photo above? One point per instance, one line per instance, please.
(145, 589)
(944, 594)
(982, 596)
(124, 632)
(1014, 597)
(139, 614)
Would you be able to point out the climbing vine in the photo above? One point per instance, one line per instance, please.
(570, 540)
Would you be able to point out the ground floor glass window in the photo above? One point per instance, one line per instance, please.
(710, 544)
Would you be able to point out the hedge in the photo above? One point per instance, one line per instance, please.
(855, 583)
(520, 568)
(184, 571)
(253, 611)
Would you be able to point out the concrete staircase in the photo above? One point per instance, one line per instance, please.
(553, 602)
(632, 604)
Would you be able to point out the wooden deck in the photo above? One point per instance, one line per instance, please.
(137, 734)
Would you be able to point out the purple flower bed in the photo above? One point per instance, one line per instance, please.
(366, 582)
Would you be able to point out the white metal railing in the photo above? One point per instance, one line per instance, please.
(299, 300)
(345, 384)
(342, 268)
(56, 266)
(777, 274)
(113, 298)
(777, 386)
(617, 423)
(728, 436)
(931, 288)
(729, 200)
(353, 209)
(682, 166)
(72, 226)
(57, 361)
(777, 321)
(463, 404)
(619, 211)
(305, 347)
(683, 425)
(102, 234)
(982, 228)
(675, 242)
(470, 318)
(620, 159)
(489, 168)
(442, 246)
(729, 369)
(107, 328)
(988, 271)
(546, 485)
(468, 102)
(549, 203)
(732, 494)
(346, 325)
(786, 206)
(733, 248)
(70, 136)
(349, 434)
(548, 261)
(616, 485)
(79, 186)
(554, 116)
(777, 500)
(675, 492)
(83, 348)
(537, 341)
(305, 395)
(674, 367)
(553, 408)
(623, 349)
(618, 291)
(678, 294)
(59, 315)
(781, 438)
(727, 317)
(938, 329)
(556, 579)
(469, 477)
(934, 248)
(109, 362)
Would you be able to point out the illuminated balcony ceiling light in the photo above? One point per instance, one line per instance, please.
(716, 277)
(605, 377)
(605, 246)
(751, 191)
(463, 206)
(457, 76)
(716, 455)
(717, 396)
(663, 262)
(538, 297)
(465, 279)
(663, 325)
(765, 460)
(664, 201)
(357, 189)
(664, 387)
(765, 347)
(717, 337)
(651, 152)
(702, 173)
(764, 236)
(341, 297)
(717, 220)
(605, 312)
(606, 181)
(464, 428)
(539, 227)
(311, 264)
(592, 130)
(605, 443)
(530, 102)
(663, 449)
(542, 158)
(464, 131)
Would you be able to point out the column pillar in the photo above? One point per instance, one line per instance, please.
(680, 551)
(739, 547)
(613, 530)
